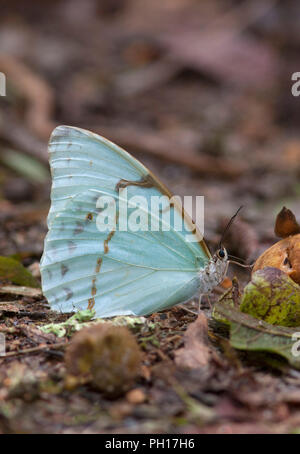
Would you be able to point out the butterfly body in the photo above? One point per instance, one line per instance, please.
(213, 273)
(118, 270)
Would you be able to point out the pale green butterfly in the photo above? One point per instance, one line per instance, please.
(117, 272)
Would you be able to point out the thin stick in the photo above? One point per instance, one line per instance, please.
(35, 349)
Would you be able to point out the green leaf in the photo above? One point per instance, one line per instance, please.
(15, 272)
(250, 334)
(25, 166)
(272, 296)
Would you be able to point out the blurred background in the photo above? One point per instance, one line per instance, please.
(198, 90)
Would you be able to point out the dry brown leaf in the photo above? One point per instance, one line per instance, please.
(286, 224)
(195, 352)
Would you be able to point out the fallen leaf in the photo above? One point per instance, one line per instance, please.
(195, 352)
(249, 333)
(286, 224)
(273, 297)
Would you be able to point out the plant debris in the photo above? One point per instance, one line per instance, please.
(196, 352)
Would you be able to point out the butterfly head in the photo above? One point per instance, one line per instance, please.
(214, 271)
(220, 255)
(220, 262)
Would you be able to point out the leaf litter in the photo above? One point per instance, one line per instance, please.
(185, 114)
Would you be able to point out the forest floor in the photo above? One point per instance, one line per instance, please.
(224, 128)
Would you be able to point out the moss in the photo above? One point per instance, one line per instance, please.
(273, 297)
(13, 271)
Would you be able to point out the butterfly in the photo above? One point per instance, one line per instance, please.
(117, 271)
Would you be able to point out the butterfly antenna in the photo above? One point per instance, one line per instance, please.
(228, 226)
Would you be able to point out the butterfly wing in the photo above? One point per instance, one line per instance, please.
(117, 272)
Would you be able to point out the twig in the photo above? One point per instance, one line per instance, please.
(35, 349)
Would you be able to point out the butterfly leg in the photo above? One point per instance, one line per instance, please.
(209, 301)
(199, 303)
(187, 309)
